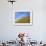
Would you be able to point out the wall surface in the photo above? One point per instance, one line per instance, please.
(37, 31)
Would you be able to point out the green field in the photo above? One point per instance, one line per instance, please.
(25, 19)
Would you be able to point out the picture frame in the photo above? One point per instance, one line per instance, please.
(22, 17)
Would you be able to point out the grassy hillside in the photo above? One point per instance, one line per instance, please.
(25, 19)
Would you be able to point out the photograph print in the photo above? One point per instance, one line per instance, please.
(23, 18)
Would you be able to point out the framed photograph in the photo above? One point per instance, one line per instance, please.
(22, 17)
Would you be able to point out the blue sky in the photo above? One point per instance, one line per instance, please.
(21, 14)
